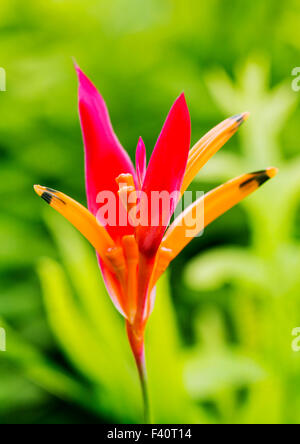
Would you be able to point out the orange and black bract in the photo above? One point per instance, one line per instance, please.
(259, 176)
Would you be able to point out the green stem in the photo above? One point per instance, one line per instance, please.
(141, 366)
(138, 349)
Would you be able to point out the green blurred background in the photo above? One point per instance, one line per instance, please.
(219, 341)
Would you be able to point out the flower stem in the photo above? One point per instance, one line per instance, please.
(138, 349)
(144, 386)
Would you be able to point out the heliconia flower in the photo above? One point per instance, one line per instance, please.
(133, 255)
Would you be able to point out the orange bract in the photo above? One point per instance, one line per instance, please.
(80, 217)
(206, 147)
(215, 203)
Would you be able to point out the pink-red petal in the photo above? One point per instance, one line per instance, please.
(165, 174)
(141, 161)
(105, 158)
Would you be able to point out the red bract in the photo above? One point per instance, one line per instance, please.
(105, 158)
(165, 172)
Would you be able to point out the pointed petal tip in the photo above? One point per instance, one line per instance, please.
(141, 155)
(76, 66)
(272, 171)
(85, 84)
(180, 105)
(245, 116)
(38, 189)
(241, 118)
(141, 143)
(260, 177)
(181, 99)
(44, 192)
(141, 161)
(80, 74)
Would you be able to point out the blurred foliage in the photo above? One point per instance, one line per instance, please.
(219, 341)
(264, 276)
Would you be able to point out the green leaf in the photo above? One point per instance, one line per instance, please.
(207, 374)
(169, 399)
(211, 270)
(42, 371)
(80, 262)
(83, 347)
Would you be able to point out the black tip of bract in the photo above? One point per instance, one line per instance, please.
(260, 177)
(47, 197)
(239, 119)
